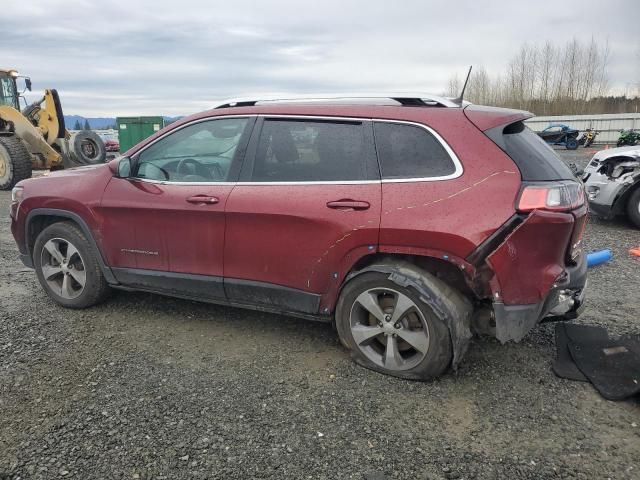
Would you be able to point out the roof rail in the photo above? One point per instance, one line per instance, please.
(406, 99)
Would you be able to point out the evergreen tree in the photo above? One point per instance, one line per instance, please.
(78, 125)
(86, 125)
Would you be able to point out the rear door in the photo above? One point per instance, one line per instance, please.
(163, 228)
(307, 204)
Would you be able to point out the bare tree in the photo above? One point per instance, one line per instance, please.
(547, 79)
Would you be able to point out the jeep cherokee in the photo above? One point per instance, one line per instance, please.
(409, 221)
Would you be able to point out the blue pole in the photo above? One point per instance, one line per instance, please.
(596, 258)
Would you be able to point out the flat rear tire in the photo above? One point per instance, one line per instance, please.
(390, 329)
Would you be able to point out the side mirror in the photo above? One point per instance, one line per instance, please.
(124, 167)
(27, 82)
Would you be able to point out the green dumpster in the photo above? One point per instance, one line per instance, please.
(132, 130)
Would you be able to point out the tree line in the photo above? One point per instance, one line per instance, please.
(549, 79)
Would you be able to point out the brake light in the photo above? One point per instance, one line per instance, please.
(555, 196)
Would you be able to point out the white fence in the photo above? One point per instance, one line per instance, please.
(609, 125)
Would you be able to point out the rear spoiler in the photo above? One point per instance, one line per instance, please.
(486, 118)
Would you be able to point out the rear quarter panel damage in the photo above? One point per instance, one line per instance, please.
(532, 257)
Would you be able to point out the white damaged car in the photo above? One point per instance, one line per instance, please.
(612, 183)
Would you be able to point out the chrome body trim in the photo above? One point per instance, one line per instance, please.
(456, 161)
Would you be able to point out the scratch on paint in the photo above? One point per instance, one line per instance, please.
(433, 202)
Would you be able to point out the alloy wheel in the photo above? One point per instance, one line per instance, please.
(63, 268)
(389, 329)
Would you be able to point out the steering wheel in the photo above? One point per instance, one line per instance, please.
(198, 168)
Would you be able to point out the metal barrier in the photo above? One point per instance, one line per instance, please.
(608, 125)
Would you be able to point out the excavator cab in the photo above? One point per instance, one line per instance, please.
(8, 89)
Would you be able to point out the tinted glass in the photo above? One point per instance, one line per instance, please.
(409, 151)
(306, 151)
(536, 160)
(202, 152)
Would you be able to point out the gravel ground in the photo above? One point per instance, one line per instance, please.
(150, 387)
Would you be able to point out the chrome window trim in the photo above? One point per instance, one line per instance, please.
(454, 158)
(459, 170)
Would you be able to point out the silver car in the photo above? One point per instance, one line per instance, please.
(612, 182)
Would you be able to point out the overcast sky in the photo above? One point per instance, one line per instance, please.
(138, 57)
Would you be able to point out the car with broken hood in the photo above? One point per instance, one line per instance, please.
(407, 221)
(612, 182)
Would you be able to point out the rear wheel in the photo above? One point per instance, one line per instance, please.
(15, 162)
(390, 329)
(67, 267)
(633, 207)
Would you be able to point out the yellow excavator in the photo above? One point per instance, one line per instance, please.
(36, 137)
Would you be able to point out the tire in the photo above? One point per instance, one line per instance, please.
(371, 353)
(572, 144)
(15, 162)
(85, 148)
(71, 245)
(633, 207)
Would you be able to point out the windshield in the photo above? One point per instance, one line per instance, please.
(8, 94)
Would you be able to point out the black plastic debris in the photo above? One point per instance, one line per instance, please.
(586, 353)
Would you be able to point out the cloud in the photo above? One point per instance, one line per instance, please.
(147, 57)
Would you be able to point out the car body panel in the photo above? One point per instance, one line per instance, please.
(532, 257)
(444, 215)
(286, 235)
(151, 225)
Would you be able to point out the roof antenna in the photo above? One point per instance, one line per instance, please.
(458, 100)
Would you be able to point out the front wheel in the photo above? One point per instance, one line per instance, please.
(633, 207)
(67, 267)
(15, 162)
(388, 328)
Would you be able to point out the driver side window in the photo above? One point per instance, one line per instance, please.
(201, 152)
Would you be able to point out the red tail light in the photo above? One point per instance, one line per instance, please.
(556, 196)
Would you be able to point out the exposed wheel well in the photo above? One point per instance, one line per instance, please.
(38, 224)
(445, 271)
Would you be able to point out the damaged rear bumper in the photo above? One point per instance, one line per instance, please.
(565, 301)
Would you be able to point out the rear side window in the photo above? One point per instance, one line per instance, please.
(410, 151)
(307, 151)
(536, 160)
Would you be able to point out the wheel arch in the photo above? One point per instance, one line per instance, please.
(40, 218)
(454, 271)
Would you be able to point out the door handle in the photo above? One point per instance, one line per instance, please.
(203, 200)
(348, 204)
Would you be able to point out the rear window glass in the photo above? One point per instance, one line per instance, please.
(303, 151)
(536, 160)
(410, 151)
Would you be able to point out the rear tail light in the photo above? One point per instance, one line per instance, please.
(555, 196)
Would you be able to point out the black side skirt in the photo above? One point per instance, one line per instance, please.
(228, 291)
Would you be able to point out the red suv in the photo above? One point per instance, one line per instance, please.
(409, 221)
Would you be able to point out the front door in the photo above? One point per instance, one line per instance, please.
(163, 228)
(308, 203)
